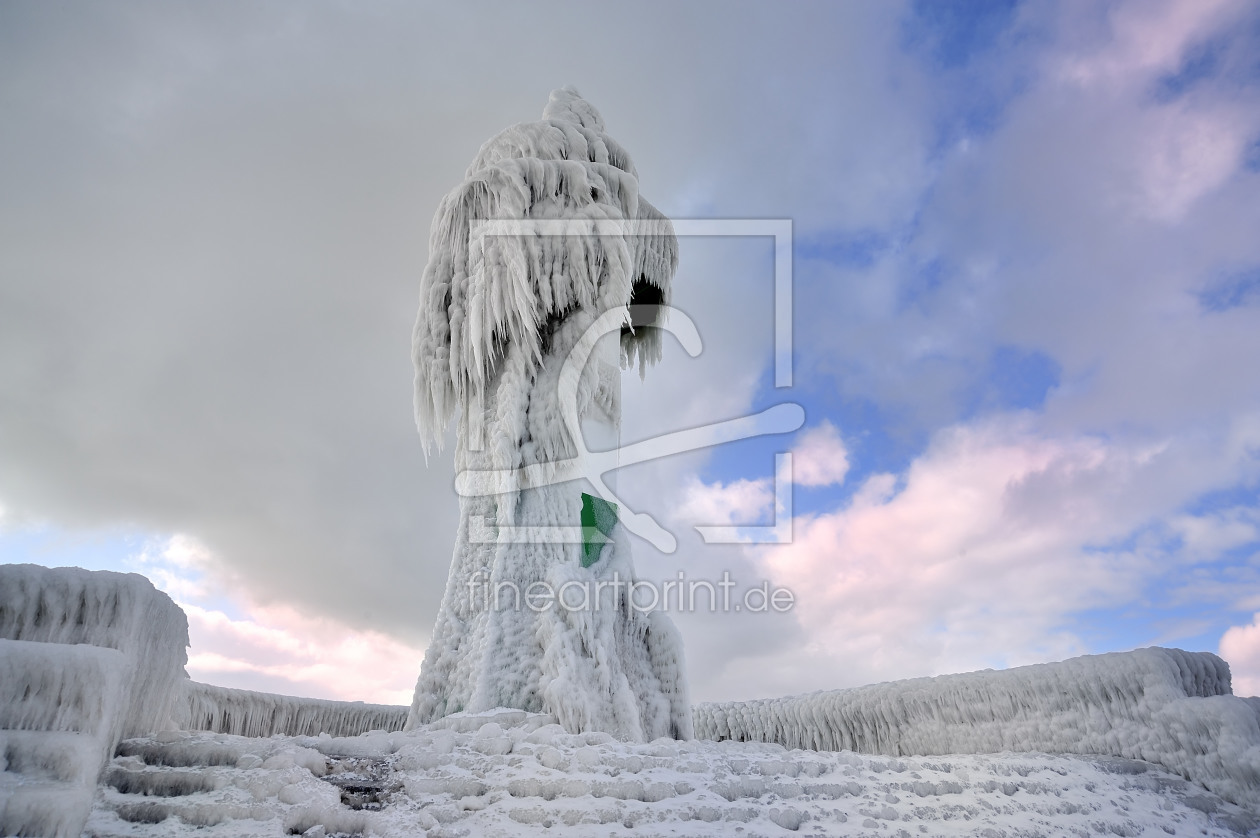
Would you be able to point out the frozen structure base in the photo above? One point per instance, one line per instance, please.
(1163, 706)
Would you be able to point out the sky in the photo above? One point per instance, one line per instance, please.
(1025, 322)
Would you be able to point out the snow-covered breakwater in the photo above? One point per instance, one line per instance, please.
(247, 713)
(510, 774)
(1164, 706)
(86, 659)
(90, 658)
(122, 611)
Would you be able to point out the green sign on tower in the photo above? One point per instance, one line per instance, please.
(598, 519)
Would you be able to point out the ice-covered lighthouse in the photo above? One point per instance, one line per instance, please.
(547, 274)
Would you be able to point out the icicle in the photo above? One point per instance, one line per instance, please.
(480, 292)
(249, 713)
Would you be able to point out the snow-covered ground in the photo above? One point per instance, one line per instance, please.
(1166, 706)
(1149, 742)
(509, 773)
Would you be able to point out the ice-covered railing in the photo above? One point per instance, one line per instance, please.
(1164, 706)
(123, 611)
(248, 713)
(86, 659)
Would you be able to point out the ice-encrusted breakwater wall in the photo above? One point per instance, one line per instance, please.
(1164, 706)
(86, 659)
(122, 611)
(248, 713)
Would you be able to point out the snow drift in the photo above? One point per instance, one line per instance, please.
(1164, 706)
(249, 713)
(499, 317)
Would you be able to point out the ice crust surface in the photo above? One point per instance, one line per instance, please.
(499, 316)
(1165, 706)
(510, 773)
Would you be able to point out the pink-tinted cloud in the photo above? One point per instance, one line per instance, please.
(275, 649)
(1240, 647)
(1146, 38)
(235, 641)
(973, 562)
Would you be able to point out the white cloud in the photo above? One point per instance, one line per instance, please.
(1240, 647)
(179, 565)
(1184, 154)
(1080, 224)
(819, 457)
(186, 552)
(738, 502)
(1208, 535)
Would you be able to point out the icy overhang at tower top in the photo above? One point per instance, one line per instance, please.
(481, 293)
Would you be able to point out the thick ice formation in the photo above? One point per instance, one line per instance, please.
(499, 316)
(510, 774)
(249, 713)
(1163, 706)
(120, 611)
(61, 714)
(85, 659)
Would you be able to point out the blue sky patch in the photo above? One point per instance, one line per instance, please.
(921, 283)
(860, 249)
(1200, 63)
(954, 32)
(1016, 378)
(59, 548)
(1235, 496)
(1232, 290)
(1251, 157)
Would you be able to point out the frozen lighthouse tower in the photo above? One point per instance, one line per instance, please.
(547, 274)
